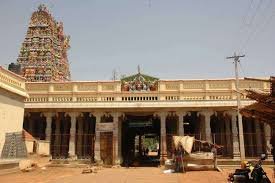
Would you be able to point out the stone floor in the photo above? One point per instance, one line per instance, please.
(116, 175)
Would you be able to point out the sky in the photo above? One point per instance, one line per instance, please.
(168, 39)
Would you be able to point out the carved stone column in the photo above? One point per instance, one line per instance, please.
(259, 145)
(250, 137)
(181, 122)
(48, 132)
(235, 137)
(80, 136)
(48, 129)
(31, 126)
(228, 135)
(73, 116)
(207, 127)
(116, 138)
(120, 121)
(97, 138)
(163, 145)
(57, 134)
(267, 132)
(26, 123)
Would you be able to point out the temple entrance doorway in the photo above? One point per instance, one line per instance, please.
(140, 140)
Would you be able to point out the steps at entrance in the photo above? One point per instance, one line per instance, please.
(232, 162)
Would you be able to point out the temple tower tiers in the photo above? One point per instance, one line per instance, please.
(43, 55)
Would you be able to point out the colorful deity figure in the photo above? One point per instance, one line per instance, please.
(139, 83)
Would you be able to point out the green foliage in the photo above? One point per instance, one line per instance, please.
(151, 143)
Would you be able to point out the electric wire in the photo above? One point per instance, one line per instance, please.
(255, 13)
(243, 23)
(242, 70)
(259, 27)
(249, 24)
(246, 14)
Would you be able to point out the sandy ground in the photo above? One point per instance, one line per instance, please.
(116, 175)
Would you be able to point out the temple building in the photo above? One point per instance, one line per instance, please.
(12, 96)
(102, 120)
(108, 121)
(43, 55)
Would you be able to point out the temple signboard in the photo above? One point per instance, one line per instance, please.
(139, 124)
(104, 127)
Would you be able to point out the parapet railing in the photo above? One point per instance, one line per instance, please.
(110, 91)
(11, 79)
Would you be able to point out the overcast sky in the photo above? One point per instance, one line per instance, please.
(169, 39)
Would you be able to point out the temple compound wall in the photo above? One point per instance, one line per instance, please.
(86, 120)
(12, 96)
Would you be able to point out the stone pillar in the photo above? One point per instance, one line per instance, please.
(116, 139)
(31, 126)
(80, 136)
(235, 137)
(26, 122)
(163, 146)
(259, 145)
(250, 137)
(119, 138)
(48, 132)
(48, 129)
(207, 127)
(181, 123)
(73, 116)
(97, 138)
(267, 132)
(57, 134)
(228, 134)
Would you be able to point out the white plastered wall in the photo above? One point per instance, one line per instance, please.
(11, 116)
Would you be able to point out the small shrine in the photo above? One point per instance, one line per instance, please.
(139, 82)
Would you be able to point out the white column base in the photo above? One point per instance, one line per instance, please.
(237, 156)
(97, 149)
(44, 147)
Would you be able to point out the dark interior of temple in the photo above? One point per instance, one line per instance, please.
(134, 130)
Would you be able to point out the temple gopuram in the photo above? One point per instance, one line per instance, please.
(43, 55)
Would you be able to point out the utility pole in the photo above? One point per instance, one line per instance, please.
(240, 122)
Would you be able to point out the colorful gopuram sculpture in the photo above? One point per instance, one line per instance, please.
(43, 55)
(139, 82)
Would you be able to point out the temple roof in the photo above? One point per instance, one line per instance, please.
(139, 82)
(264, 108)
(139, 76)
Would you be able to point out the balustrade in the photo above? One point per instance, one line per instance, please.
(216, 90)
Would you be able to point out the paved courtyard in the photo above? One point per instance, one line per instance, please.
(115, 175)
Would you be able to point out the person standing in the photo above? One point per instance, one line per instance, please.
(214, 151)
(179, 159)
